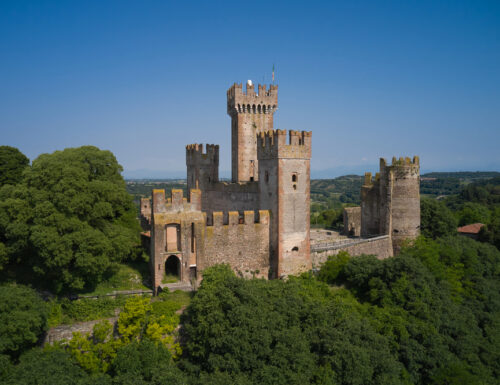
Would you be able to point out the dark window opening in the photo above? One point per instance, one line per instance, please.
(294, 177)
(251, 179)
(295, 187)
(396, 231)
(295, 248)
(192, 238)
(267, 177)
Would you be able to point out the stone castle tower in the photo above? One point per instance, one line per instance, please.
(251, 113)
(390, 204)
(284, 189)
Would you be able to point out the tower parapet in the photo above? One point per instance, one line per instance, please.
(202, 167)
(195, 154)
(274, 144)
(250, 102)
(177, 202)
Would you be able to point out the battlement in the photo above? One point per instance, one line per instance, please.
(248, 101)
(369, 180)
(234, 218)
(401, 162)
(177, 202)
(195, 154)
(273, 144)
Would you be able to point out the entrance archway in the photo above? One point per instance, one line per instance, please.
(173, 267)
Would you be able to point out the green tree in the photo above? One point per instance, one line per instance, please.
(23, 319)
(275, 332)
(489, 233)
(37, 367)
(145, 362)
(473, 213)
(70, 220)
(436, 219)
(12, 164)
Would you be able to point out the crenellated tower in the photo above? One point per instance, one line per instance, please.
(284, 189)
(202, 167)
(251, 113)
(400, 211)
(390, 204)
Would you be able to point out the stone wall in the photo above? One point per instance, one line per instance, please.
(379, 246)
(226, 197)
(243, 243)
(65, 332)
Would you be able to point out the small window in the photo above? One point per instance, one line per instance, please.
(294, 177)
(295, 248)
(193, 247)
(295, 187)
(266, 177)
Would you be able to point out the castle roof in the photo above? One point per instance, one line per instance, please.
(473, 228)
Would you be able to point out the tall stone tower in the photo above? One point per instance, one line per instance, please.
(390, 204)
(284, 189)
(250, 114)
(400, 214)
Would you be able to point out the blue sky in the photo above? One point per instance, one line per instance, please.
(145, 78)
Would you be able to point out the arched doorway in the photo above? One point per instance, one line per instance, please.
(172, 268)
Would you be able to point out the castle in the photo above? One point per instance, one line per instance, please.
(259, 223)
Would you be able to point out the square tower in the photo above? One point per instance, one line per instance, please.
(284, 188)
(251, 113)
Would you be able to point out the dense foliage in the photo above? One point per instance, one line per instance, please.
(12, 164)
(23, 319)
(437, 220)
(427, 316)
(68, 221)
(438, 304)
(275, 332)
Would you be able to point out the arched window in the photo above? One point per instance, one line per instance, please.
(173, 267)
(295, 248)
(259, 109)
(264, 109)
(253, 108)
